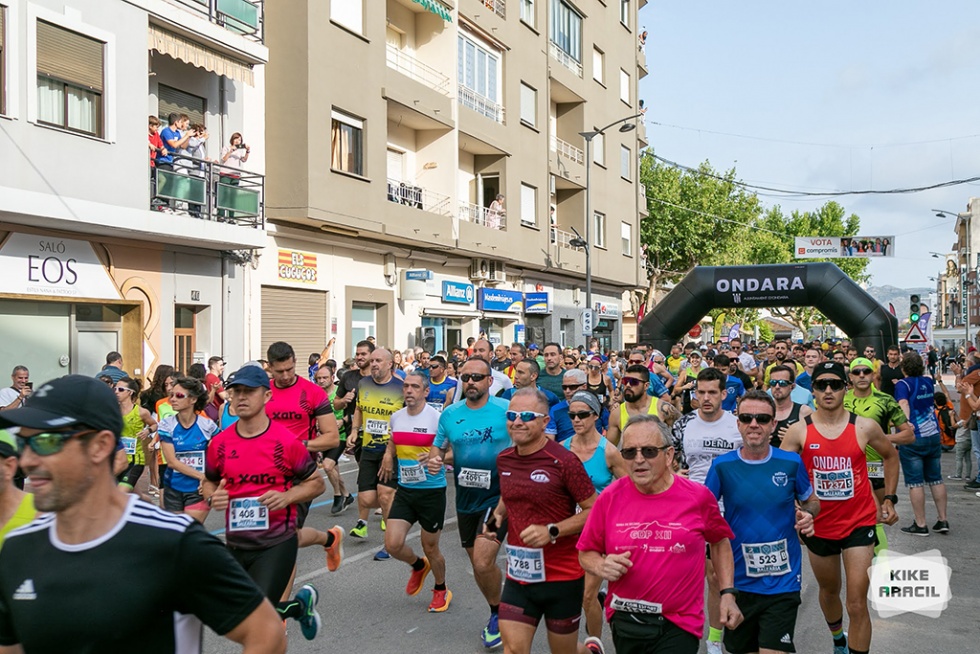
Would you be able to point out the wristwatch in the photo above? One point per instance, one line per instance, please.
(892, 498)
(553, 532)
(728, 591)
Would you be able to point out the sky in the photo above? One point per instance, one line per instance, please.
(828, 96)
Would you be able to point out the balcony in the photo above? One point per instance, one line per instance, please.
(481, 104)
(564, 59)
(418, 197)
(411, 67)
(641, 61)
(567, 150)
(498, 7)
(478, 215)
(245, 17)
(210, 191)
(562, 239)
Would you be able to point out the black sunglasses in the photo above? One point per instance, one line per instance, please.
(862, 371)
(580, 415)
(761, 418)
(823, 384)
(648, 452)
(571, 387)
(473, 376)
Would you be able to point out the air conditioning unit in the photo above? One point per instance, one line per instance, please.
(479, 269)
(497, 272)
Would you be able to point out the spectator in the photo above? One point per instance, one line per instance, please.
(215, 385)
(232, 158)
(496, 212)
(14, 396)
(195, 151)
(158, 157)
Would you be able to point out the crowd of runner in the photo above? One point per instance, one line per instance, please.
(618, 484)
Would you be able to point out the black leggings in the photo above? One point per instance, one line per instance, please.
(270, 568)
(132, 475)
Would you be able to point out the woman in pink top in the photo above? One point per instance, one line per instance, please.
(646, 535)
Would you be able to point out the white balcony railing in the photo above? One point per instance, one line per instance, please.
(474, 213)
(418, 197)
(498, 7)
(562, 238)
(567, 150)
(480, 104)
(565, 59)
(409, 66)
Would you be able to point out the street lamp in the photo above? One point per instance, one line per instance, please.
(964, 287)
(586, 242)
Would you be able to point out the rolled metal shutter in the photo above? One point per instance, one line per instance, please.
(69, 56)
(296, 316)
(171, 100)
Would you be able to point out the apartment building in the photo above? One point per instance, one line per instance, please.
(426, 170)
(99, 252)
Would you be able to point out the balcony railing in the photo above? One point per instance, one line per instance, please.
(474, 213)
(498, 7)
(564, 58)
(209, 191)
(408, 65)
(562, 238)
(480, 104)
(245, 17)
(567, 150)
(418, 197)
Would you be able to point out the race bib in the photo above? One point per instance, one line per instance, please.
(525, 564)
(412, 474)
(193, 460)
(376, 427)
(876, 470)
(618, 603)
(129, 445)
(766, 559)
(474, 478)
(247, 514)
(833, 485)
(435, 405)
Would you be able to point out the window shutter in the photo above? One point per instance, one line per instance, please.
(69, 56)
(171, 100)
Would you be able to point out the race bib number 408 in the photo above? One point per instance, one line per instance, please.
(833, 485)
(247, 514)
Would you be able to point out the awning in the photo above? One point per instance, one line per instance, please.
(498, 315)
(198, 55)
(437, 8)
(450, 313)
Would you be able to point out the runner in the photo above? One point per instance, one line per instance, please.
(541, 486)
(184, 439)
(257, 472)
(421, 495)
(700, 437)
(831, 443)
(138, 429)
(759, 486)
(656, 575)
(442, 387)
(551, 377)
(475, 430)
(788, 412)
(16, 506)
(118, 573)
(637, 401)
(501, 382)
(324, 378)
(734, 388)
(559, 427)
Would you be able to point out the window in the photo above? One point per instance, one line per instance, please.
(625, 162)
(566, 29)
(529, 102)
(624, 12)
(627, 236)
(598, 66)
(363, 323)
(478, 73)
(599, 229)
(599, 149)
(529, 204)
(349, 13)
(624, 86)
(174, 101)
(527, 12)
(346, 143)
(69, 79)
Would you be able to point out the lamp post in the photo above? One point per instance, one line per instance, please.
(586, 242)
(964, 286)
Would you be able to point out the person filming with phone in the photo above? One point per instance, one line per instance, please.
(236, 152)
(14, 396)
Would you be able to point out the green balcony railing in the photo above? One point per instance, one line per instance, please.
(209, 191)
(243, 17)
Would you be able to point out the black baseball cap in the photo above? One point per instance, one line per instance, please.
(248, 375)
(8, 445)
(830, 367)
(67, 402)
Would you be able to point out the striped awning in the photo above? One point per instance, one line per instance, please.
(437, 8)
(198, 55)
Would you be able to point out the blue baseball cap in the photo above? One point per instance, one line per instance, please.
(250, 376)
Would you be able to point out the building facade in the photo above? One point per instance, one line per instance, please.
(100, 252)
(427, 172)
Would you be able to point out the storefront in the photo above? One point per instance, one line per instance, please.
(502, 310)
(607, 329)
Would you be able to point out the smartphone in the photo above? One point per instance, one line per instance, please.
(241, 146)
(490, 520)
(30, 385)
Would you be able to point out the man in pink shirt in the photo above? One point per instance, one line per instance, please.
(646, 535)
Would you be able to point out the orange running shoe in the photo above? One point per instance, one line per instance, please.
(440, 600)
(335, 553)
(417, 577)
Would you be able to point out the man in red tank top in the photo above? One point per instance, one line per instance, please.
(831, 443)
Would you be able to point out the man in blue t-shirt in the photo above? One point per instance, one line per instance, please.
(734, 388)
(758, 486)
(441, 386)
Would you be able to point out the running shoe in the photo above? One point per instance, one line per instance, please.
(359, 530)
(594, 645)
(350, 499)
(842, 649)
(972, 485)
(440, 600)
(378, 511)
(955, 477)
(713, 647)
(338, 505)
(916, 530)
(309, 622)
(383, 525)
(335, 553)
(417, 577)
(491, 633)
(941, 526)
(382, 555)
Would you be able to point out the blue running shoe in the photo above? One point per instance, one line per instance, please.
(309, 622)
(491, 633)
(382, 555)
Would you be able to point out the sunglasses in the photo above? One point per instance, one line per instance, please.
(179, 396)
(571, 387)
(632, 381)
(570, 362)
(473, 376)
(525, 416)
(648, 452)
(48, 443)
(823, 384)
(594, 367)
(122, 389)
(761, 418)
(782, 383)
(862, 371)
(580, 415)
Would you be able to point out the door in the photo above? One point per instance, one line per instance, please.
(36, 335)
(490, 187)
(185, 337)
(92, 344)
(363, 323)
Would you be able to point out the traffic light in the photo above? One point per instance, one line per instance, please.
(914, 307)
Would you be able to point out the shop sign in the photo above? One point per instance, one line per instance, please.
(518, 333)
(41, 265)
(537, 302)
(296, 266)
(607, 309)
(492, 299)
(457, 292)
(418, 275)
